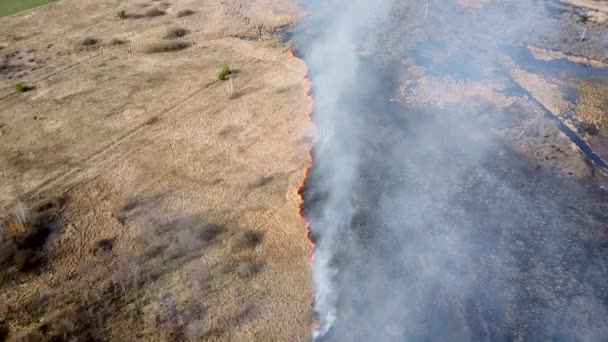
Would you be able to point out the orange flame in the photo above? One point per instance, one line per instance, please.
(308, 88)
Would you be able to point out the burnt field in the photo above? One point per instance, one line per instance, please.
(457, 236)
(453, 194)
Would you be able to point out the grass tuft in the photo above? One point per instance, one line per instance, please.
(122, 14)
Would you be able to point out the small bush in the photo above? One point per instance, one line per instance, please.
(116, 42)
(154, 12)
(89, 41)
(167, 46)
(224, 72)
(185, 13)
(121, 14)
(175, 32)
(244, 240)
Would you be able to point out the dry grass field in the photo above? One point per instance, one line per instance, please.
(143, 198)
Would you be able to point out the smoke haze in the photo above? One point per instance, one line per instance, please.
(428, 225)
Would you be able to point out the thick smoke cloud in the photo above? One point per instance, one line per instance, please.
(427, 226)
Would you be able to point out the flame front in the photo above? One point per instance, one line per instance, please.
(308, 87)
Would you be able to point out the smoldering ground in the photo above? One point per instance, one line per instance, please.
(428, 224)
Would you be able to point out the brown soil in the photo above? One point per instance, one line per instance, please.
(160, 166)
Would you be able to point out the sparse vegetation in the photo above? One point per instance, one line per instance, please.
(243, 240)
(224, 73)
(122, 14)
(167, 46)
(89, 41)
(175, 32)
(185, 13)
(154, 12)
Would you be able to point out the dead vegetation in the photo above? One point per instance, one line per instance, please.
(89, 41)
(175, 32)
(244, 240)
(167, 46)
(184, 13)
(154, 12)
(117, 41)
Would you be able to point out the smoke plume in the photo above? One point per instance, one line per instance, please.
(428, 225)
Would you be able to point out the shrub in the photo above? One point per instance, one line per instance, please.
(175, 32)
(116, 41)
(167, 46)
(244, 240)
(185, 13)
(121, 14)
(20, 88)
(154, 12)
(208, 232)
(89, 41)
(224, 72)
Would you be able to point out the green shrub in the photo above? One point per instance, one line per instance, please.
(20, 88)
(121, 14)
(224, 72)
(167, 46)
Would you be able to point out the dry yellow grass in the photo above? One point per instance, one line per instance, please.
(116, 123)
